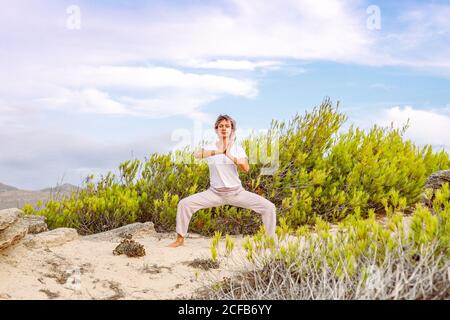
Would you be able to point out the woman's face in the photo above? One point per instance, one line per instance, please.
(224, 129)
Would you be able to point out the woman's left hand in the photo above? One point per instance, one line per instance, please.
(229, 146)
(228, 152)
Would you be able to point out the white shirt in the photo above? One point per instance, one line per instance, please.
(222, 170)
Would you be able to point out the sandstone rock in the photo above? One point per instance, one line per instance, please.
(435, 181)
(36, 224)
(52, 238)
(134, 229)
(4, 296)
(13, 234)
(9, 217)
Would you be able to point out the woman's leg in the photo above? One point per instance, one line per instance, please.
(189, 205)
(255, 202)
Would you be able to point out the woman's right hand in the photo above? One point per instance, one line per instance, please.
(222, 147)
(202, 153)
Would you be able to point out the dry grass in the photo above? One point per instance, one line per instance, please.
(400, 274)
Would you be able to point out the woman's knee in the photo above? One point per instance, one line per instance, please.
(187, 204)
(272, 208)
(183, 203)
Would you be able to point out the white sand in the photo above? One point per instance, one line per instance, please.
(51, 272)
(163, 273)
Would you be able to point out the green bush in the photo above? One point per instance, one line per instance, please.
(360, 259)
(104, 206)
(321, 173)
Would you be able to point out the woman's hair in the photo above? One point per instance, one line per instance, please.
(225, 117)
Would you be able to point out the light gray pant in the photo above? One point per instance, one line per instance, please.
(214, 198)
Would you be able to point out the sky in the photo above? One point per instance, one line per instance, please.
(86, 85)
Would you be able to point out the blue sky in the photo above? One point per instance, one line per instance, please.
(135, 74)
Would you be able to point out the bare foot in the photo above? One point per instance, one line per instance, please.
(178, 242)
(175, 244)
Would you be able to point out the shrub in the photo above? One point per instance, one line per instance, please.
(321, 173)
(361, 259)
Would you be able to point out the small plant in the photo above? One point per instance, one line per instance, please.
(214, 253)
(129, 247)
(229, 244)
(204, 264)
(214, 244)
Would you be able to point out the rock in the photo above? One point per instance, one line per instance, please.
(4, 296)
(36, 224)
(52, 238)
(435, 181)
(133, 229)
(13, 234)
(9, 217)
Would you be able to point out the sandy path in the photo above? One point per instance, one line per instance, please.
(87, 269)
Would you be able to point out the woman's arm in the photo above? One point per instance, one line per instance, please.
(202, 153)
(241, 163)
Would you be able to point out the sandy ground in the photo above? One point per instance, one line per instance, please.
(87, 269)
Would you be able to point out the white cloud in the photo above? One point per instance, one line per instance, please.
(150, 78)
(106, 65)
(425, 127)
(420, 39)
(175, 105)
(148, 91)
(223, 64)
(126, 62)
(306, 29)
(87, 100)
(232, 35)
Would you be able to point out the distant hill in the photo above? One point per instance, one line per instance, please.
(66, 187)
(11, 197)
(5, 187)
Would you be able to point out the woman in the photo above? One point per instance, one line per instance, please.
(224, 158)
